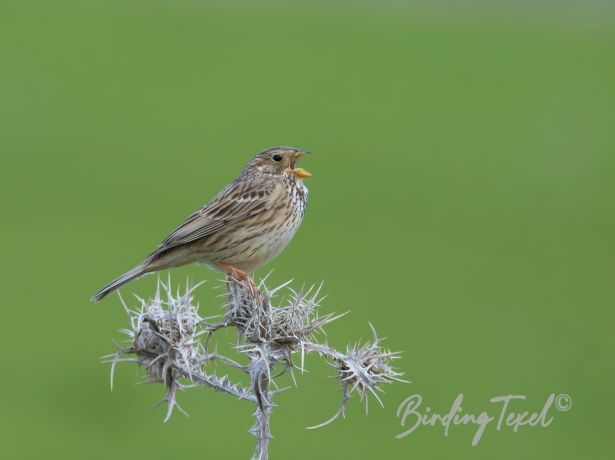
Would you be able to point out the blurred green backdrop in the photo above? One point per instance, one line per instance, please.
(462, 201)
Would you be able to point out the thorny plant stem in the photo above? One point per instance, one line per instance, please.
(261, 429)
(202, 379)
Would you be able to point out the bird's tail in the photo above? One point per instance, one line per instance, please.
(118, 282)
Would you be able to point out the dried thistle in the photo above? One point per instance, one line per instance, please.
(169, 338)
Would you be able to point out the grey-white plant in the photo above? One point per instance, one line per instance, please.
(169, 338)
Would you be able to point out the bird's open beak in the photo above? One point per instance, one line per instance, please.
(299, 172)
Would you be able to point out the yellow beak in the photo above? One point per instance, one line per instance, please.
(300, 173)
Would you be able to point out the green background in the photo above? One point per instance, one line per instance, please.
(462, 201)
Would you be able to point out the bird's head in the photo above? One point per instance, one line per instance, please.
(280, 161)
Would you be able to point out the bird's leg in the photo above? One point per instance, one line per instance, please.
(230, 270)
(238, 275)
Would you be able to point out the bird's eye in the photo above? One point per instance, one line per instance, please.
(277, 157)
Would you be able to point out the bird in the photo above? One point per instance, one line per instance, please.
(242, 228)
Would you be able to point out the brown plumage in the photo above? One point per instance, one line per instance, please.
(243, 227)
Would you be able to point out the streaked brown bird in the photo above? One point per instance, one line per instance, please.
(243, 227)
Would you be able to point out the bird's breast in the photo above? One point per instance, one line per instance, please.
(255, 241)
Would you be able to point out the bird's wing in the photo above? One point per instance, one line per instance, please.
(234, 204)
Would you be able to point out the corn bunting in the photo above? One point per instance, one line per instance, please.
(243, 227)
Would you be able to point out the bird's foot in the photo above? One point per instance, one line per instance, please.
(238, 275)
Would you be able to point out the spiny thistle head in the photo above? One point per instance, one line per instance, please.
(164, 332)
(248, 309)
(163, 336)
(169, 338)
(364, 367)
(298, 319)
